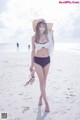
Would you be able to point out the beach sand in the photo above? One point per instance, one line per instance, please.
(63, 87)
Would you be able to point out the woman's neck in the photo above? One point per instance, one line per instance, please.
(41, 33)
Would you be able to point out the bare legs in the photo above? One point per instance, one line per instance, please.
(40, 99)
(42, 75)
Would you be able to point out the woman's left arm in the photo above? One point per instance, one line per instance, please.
(53, 37)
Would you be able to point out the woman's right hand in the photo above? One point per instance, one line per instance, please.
(31, 68)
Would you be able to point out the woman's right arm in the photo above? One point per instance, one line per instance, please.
(53, 37)
(32, 53)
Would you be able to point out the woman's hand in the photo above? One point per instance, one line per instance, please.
(31, 68)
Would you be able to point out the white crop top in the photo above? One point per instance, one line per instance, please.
(41, 45)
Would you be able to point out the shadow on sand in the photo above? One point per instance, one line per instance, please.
(39, 117)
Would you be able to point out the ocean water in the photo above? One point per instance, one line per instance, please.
(12, 47)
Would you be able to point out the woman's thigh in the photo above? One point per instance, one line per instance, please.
(46, 70)
(39, 71)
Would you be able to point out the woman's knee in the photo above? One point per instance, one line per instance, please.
(42, 82)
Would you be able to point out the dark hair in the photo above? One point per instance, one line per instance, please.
(38, 32)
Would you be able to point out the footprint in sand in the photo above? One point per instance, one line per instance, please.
(17, 119)
(5, 61)
(11, 94)
(25, 109)
(65, 80)
(67, 97)
(1, 109)
(27, 98)
(72, 95)
(16, 108)
(3, 75)
(72, 101)
(59, 70)
(20, 94)
(68, 109)
(55, 112)
(9, 104)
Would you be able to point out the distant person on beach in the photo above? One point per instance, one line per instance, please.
(28, 46)
(42, 43)
(17, 44)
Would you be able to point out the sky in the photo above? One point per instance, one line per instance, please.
(16, 18)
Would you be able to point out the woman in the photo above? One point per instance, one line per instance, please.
(40, 57)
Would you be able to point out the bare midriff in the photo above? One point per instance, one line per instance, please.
(43, 52)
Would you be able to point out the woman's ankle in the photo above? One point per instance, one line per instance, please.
(46, 102)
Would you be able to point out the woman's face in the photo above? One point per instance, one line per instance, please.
(42, 28)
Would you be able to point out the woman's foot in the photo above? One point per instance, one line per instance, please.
(47, 108)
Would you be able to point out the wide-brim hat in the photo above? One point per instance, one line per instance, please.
(36, 21)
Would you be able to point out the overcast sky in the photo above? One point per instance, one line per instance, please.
(16, 18)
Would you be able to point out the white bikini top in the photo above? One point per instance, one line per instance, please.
(41, 45)
(49, 44)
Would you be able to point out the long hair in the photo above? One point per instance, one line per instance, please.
(37, 33)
